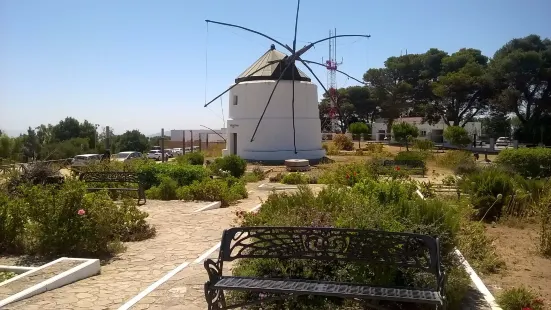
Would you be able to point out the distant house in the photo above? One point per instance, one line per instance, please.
(434, 132)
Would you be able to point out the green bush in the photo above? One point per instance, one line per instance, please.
(166, 190)
(66, 220)
(384, 205)
(489, 190)
(423, 144)
(152, 174)
(347, 174)
(234, 164)
(528, 162)
(461, 162)
(519, 298)
(295, 178)
(193, 158)
(343, 142)
(256, 175)
(227, 190)
(410, 155)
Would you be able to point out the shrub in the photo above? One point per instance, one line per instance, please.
(295, 178)
(545, 228)
(528, 162)
(193, 158)
(461, 162)
(166, 190)
(343, 142)
(457, 135)
(330, 149)
(490, 189)
(151, 174)
(449, 180)
(227, 190)
(347, 174)
(360, 207)
(66, 220)
(410, 155)
(374, 147)
(423, 144)
(234, 164)
(519, 298)
(256, 175)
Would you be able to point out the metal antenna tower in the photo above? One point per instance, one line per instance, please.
(331, 64)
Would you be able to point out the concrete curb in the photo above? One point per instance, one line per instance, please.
(88, 268)
(275, 186)
(15, 269)
(210, 206)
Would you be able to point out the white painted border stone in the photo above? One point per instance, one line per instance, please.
(210, 206)
(275, 186)
(88, 268)
(15, 269)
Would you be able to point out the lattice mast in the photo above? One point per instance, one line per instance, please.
(331, 64)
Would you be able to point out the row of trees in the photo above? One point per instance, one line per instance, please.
(66, 139)
(513, 86)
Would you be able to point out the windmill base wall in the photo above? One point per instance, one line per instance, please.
(273, 141)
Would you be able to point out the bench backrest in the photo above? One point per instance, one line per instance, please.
(109, 176)
(374, 247)
(408, 163)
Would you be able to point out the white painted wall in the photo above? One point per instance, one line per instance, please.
(274, 138)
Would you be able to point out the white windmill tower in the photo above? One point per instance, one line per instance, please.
(273, 106)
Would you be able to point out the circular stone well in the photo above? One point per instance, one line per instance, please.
(297, 165)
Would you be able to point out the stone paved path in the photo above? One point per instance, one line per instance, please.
(182, 236)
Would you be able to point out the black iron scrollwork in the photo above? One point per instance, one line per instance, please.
(110, 176)
(386, 248)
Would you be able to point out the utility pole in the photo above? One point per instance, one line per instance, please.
(162, 145)
(191, 139)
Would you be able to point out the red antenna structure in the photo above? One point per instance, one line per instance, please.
(332, 65)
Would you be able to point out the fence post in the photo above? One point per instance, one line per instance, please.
(162, 145)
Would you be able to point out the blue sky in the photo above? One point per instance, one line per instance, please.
(140, 64)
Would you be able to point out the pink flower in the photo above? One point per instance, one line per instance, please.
(81, 212)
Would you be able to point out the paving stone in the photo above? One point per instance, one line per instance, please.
(182, 236)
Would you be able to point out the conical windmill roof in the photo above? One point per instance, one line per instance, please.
(273, 71)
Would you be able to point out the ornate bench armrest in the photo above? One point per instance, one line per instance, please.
(214, 270)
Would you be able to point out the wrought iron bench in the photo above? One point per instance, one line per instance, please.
(115, 177)
(375, 248)
(418, 165)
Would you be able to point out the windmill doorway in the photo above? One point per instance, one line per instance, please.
(234, 144)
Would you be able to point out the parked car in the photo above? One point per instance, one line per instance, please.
(178, 151)
(154, 154)
(169, 153)
(85, 159)
(503, 141)
(126, 156)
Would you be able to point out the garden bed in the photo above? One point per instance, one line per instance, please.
(27, 281)
(524, 265)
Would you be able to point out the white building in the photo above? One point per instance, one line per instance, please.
(432, 132)
(177, 135)
(274, 139)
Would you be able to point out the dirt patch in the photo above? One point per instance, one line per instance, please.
(525, 266)
(36, 277)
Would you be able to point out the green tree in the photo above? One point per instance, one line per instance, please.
(358, 129)
(405, 132)
(496, 125)
(31, 145)
(88, 131)
(462, 89)
(66, 129)
(365, 106)
(133, 141)
(457, 135)
(6, 146)
(522, 70)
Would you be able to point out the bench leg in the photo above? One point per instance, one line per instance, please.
(215, 298)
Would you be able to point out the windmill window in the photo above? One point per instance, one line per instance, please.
(235, 100)
(423, 133)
